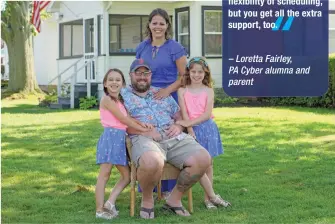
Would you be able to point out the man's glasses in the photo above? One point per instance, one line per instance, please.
(145, 74)
(197, 59)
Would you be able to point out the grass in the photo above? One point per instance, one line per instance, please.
(278, 167)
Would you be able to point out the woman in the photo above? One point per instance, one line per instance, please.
(167, 59)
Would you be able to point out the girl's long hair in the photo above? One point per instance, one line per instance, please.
(207, 81)
(105, 80)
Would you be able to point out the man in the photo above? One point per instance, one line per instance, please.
(165, 142)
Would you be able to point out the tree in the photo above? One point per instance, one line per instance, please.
(17, 32)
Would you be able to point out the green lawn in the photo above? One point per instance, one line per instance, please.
(278, 167)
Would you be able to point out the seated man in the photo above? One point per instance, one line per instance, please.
(165, 142)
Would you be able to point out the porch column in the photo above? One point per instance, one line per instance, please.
(195, 29)
(96, 50)
(106, 36)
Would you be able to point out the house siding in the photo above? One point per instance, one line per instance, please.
(331, 26)
(46, 52)
(123, 62)
(215, 64)
(136, 8)
(139, 8)
(72, 10)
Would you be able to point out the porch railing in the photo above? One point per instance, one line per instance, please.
(89, 60)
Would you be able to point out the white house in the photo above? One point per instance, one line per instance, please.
(331, 26)
(110, 31)
(4, 61)
(104, 34)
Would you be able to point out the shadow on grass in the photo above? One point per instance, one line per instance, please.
(281, 167)
(321, 111)
(253, 134)
(33, 109)
(53, 148)
(43, 167)
(279, 144)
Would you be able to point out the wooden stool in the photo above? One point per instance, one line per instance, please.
(169, 172)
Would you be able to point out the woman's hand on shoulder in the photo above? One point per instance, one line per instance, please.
(181, 90)
(162, 93)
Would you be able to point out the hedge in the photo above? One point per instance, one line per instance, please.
(327, 100)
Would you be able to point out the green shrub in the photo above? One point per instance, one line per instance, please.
(48, 99)
(2, 69)
(222, 99)
(327, 100)
(87, 102)
(219, 102)
(65, 90)
(331, 90)
(4, 83)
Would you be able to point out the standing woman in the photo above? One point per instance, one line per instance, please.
(167, 59)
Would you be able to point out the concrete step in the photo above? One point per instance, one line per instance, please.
(64, 100)
(59, 106)
(82, 87)
(80, 91)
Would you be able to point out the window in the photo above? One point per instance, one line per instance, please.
(211, 31)
(89, 35)
(71, 39)
(101, 44)
(125, 33)
(331, 31)
(144, 21)
(114, 37)
(183, 27)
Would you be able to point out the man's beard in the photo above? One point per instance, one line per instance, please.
(140, 87)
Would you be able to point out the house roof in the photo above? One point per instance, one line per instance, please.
(53, 6)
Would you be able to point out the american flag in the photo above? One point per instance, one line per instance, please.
(36, 19)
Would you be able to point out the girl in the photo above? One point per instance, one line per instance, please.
(196, 100)
(111, 147)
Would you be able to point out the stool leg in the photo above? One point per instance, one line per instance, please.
(132, 201)
(190, 201)
(132, 190)
(159, 190)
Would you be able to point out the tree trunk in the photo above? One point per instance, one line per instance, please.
(20, 51)
(21, 63)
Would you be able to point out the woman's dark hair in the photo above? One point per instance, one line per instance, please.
(105, 80)
(165, 15)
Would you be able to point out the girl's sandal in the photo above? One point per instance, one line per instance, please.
(218, 201)
(209, 205)
(111, 208)
(105, 214)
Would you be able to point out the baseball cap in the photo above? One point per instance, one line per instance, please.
(137, 63)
